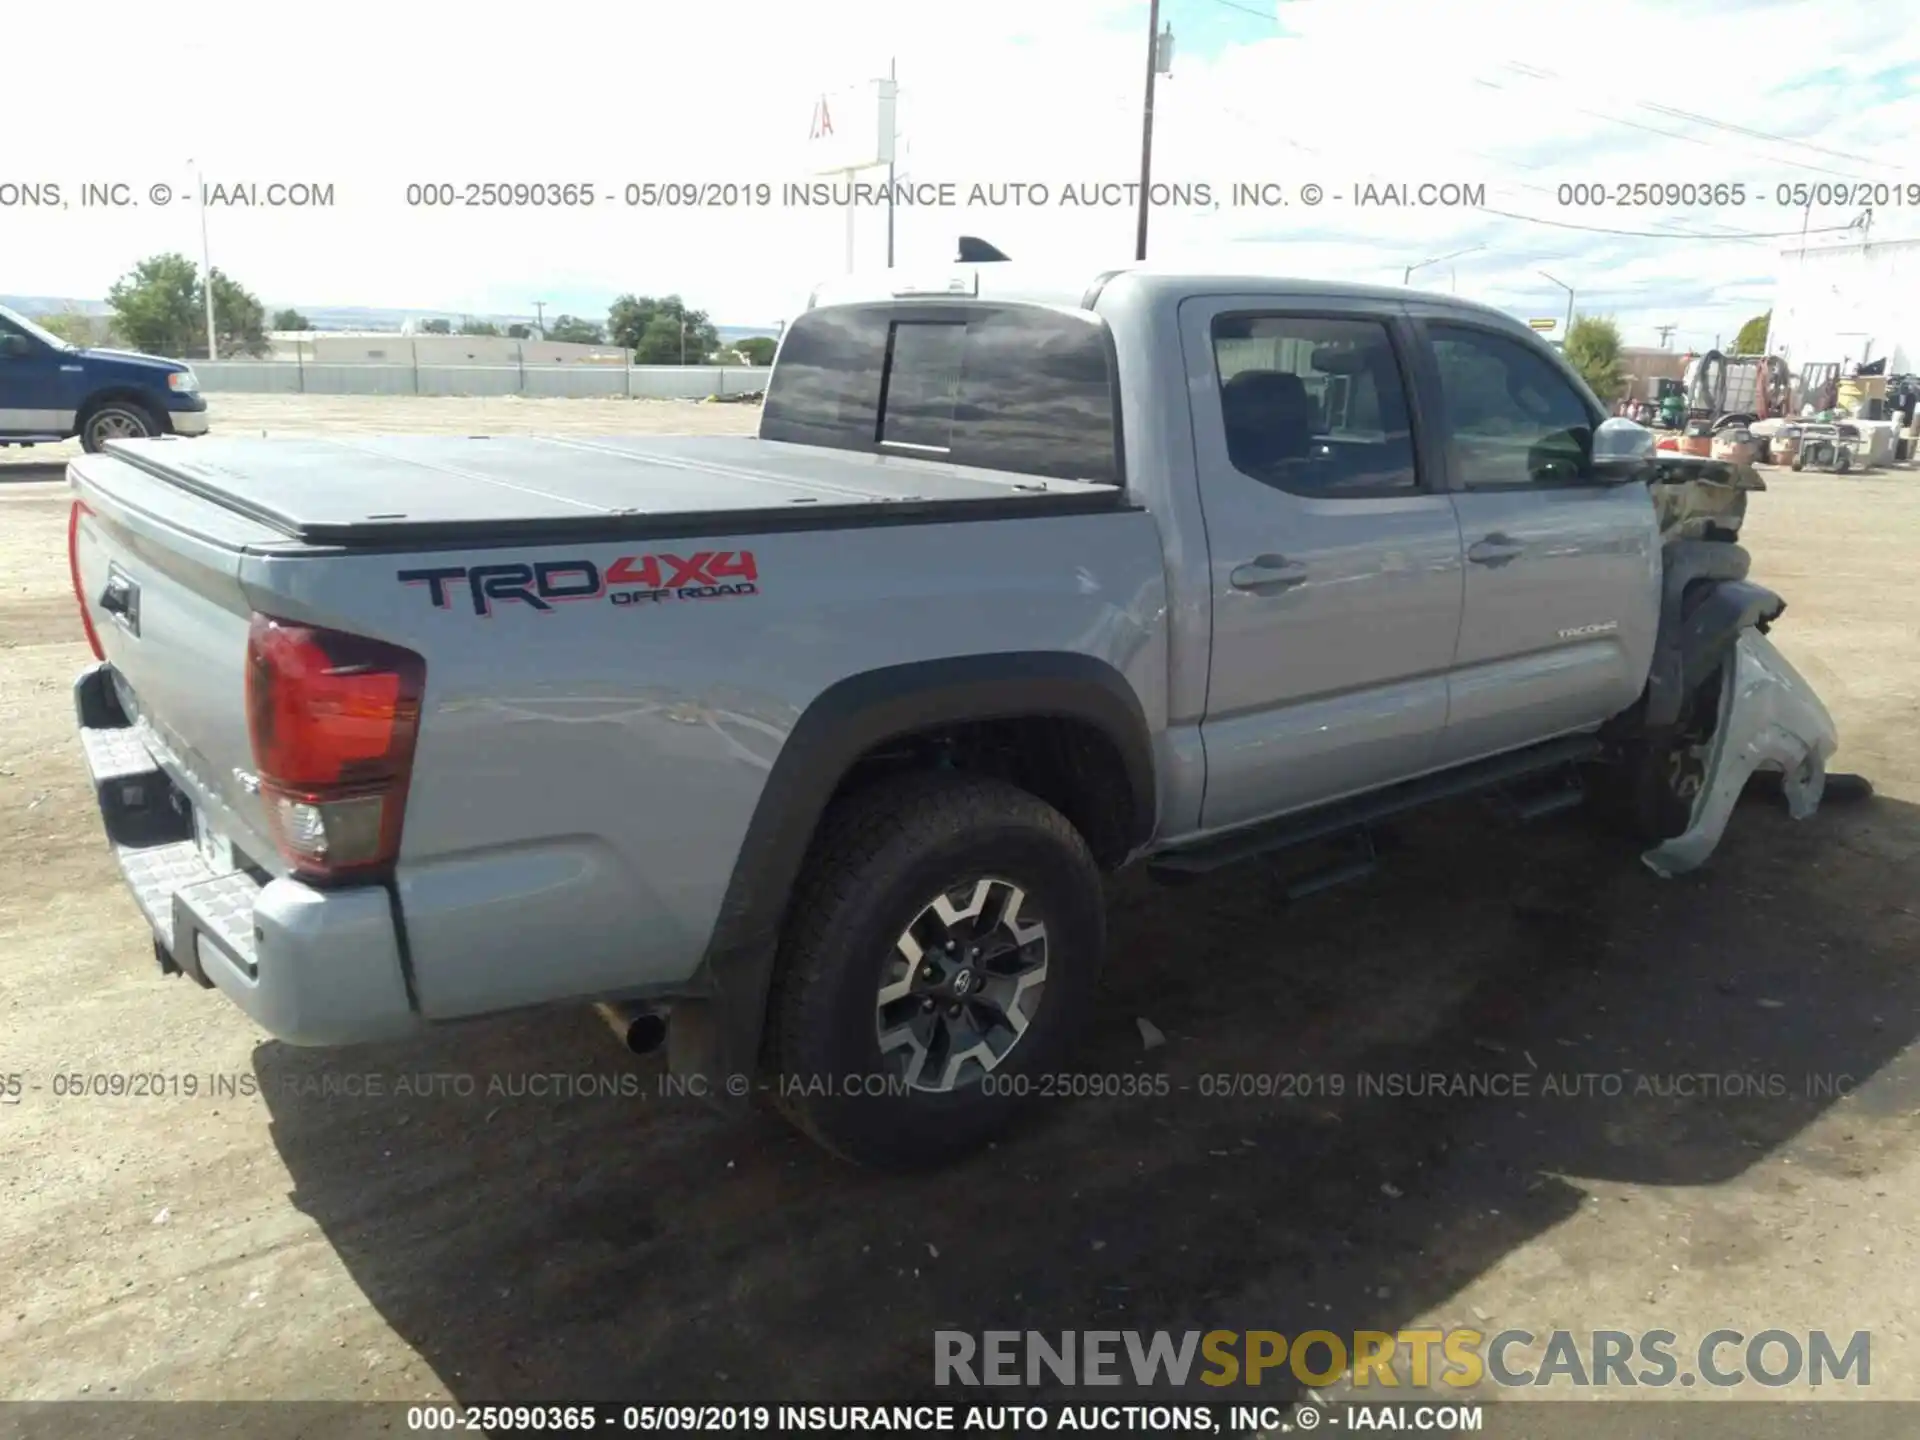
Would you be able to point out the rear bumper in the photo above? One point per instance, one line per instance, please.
(312, 967)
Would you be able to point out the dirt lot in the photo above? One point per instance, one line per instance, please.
(260, 1238)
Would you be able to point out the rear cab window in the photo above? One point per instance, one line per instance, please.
(1024, 388)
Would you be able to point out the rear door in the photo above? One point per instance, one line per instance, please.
(1563, 574)
(1334, 553)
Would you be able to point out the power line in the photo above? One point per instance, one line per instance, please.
(1739, 237)
(1764, 135)
(1535, 72)
(1266, 15)
(1664, 234)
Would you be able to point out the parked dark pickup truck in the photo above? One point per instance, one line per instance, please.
(52, 391)
(806, 753)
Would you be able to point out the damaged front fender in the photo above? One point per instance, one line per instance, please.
(1770, 719)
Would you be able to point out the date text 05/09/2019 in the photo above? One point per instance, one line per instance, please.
(929, 1419)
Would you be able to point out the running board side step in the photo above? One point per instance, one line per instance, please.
(1326, 821)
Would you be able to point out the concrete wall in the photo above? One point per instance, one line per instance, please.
(641, 382)
(1850, 303)
(321, 347)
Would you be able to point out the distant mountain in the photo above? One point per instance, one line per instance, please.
(346, 317)
(31, 305)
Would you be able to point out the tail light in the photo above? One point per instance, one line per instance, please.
(73, 568)
(333, 719)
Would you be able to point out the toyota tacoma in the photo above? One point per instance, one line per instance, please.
(804, 754)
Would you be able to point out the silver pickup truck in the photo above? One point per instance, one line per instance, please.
(804, 755)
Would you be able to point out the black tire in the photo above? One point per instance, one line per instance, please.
(1647, 794)
(882, 857)
(1842, 463)
(115, 420)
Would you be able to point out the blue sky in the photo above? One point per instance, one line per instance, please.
(1521, 98)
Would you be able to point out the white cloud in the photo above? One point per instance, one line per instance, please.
(1522, 98)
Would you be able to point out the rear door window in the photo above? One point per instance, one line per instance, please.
(1315, 405)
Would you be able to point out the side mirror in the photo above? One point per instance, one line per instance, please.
(1623, 452)
(15, 347)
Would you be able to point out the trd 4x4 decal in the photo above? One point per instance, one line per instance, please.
(630, 580)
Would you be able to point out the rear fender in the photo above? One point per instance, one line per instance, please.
(715, 1031)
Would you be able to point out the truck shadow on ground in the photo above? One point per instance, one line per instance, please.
(20, 472)
(570, 1244)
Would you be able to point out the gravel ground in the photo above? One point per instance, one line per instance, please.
(272, 1236)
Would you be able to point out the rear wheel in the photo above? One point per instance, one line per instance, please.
(115, 420)
(941, 953)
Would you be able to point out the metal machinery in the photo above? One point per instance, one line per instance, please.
(1828, 447)
(1672, 401)
(1737, 389)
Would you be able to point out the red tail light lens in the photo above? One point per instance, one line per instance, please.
(73, 568)
(333, 719)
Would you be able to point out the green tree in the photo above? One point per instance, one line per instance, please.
(1593, 348)
(160, 306)
(519, 332)
(291, 319)
(239, 318)
(1752, 338)
(758, 349)
(661, 330)
(156, 306)
(572, 330)
(436, 327)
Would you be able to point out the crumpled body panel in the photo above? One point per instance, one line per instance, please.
(1770, 719)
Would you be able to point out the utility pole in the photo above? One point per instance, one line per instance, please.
(1406, 275)
(206, 262)
(1665, 332)
(540, 317)
(1569, 289)
(1155, 66)
(893, 79)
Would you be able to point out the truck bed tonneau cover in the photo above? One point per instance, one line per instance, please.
(395, 490)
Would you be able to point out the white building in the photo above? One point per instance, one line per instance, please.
(1848, 303)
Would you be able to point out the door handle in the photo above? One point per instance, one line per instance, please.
(1267, 572)
(1495, 550)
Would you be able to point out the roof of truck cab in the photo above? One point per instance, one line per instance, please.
(1078, 288)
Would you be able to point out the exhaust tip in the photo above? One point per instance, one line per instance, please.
(641, 1028)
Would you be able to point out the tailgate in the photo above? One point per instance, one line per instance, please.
(156, 570)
